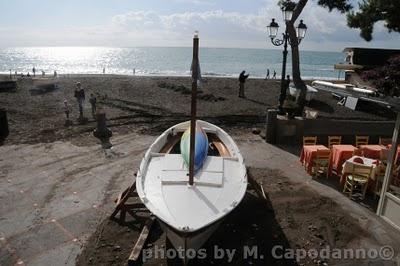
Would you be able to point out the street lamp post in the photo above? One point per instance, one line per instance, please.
(273, 31)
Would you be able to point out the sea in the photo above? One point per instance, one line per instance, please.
(164, 61)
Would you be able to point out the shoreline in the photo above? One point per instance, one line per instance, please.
(66, 75)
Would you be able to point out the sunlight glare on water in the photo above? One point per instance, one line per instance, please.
(162, 61)
(65, 59)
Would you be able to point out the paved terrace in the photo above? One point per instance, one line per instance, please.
(53, 195)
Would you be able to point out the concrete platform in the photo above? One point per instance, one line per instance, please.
(53, 196)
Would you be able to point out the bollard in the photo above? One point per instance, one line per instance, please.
(102, 132)
(270, 126)
(4, 131)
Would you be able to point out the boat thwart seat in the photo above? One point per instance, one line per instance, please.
(174, 171)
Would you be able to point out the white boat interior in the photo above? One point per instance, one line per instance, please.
(163, 182)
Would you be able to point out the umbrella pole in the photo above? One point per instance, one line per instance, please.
(193, 107)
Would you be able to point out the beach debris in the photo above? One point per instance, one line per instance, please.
(8, 86)
(312, 227)
(43, 88)
(117, 248)
(186, 91)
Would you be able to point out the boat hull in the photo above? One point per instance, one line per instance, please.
(189, 214)
(192, 241)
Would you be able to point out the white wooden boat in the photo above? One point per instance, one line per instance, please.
(190, 214)
(341, 88)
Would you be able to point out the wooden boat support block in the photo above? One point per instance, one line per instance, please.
(137, 249)
(122, 207)
(121, 196)
(257, 187)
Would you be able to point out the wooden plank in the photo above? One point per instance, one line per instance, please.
(141, 241)
(262, 191)
(122, 198)
(257, 187)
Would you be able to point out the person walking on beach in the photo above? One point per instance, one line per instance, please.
(104, 70)
(267, 76)
(93, 102)
(34, 71)
(242, 80)
(274, 75)
(80, 97)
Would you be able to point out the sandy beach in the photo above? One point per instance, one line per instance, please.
(150, 105)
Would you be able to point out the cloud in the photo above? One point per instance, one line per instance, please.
(196, 2)
(218, 28)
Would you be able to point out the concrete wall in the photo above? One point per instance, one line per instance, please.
(291, 131)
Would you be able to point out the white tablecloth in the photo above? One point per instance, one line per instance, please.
(347, 166)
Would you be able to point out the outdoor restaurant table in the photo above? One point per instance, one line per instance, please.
(372, 151)
(308, 154)
(347, 169)
(340, 153)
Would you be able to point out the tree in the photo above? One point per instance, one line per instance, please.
(371, 11)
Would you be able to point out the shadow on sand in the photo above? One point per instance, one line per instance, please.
(321, 106)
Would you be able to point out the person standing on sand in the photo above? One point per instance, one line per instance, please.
(93, 102)
(80, 97)
(66, 109)
(242, 80)
(267, 76)
(104, 70)
(274, 75)
(34, 71)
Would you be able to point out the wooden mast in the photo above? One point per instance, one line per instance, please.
(195, 77)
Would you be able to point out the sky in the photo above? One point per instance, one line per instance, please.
(134, 23)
